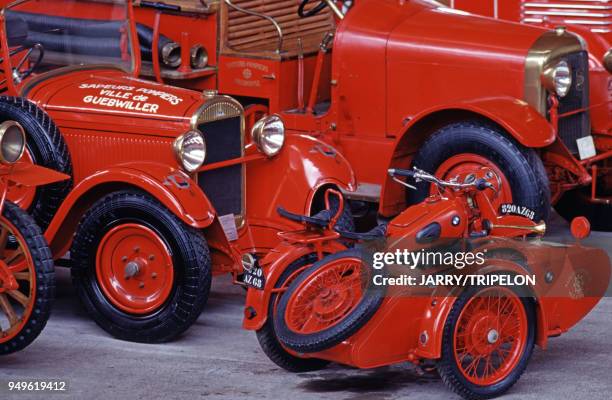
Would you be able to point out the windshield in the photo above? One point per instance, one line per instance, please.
(70, 32)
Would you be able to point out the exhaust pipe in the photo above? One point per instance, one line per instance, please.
(171, 55)
(199, 57)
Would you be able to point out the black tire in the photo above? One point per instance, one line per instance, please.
(190, 258)
(45, 278)
(522, 166)
(447, 366)
(575, 203)
(346, 222)
(47, 148)
(267, 335)
(346, 327)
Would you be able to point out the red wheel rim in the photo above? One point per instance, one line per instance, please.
(463, 164)
(326, 297)
(16, 306)
(134, 269)
(19, 194)
(490, 336)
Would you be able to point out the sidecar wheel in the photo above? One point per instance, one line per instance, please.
(140, 272)
(327, 303)
(488, 339)
(24, 312)
(267, 335)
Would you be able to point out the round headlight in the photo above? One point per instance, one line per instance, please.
(558, 79)
(12, 142)
(607, 61)
(269, 135)
(190, 150)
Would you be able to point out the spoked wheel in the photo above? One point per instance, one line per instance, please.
(488, 340)
(24, 255)
(267, 335)
(327, 303)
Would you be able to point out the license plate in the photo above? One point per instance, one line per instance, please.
(254, 278)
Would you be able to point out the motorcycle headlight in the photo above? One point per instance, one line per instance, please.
(269, 135)
(190, 150)
(558, 79)
(607, 61)
(12, 142)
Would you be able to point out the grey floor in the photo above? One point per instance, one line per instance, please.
(216, 359)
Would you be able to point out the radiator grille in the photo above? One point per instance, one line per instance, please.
(223, 186)
(577, 125)
(593, 14)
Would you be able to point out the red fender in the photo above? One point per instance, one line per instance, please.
(273, 265)
(173, 188)
(304, 168)
(523, 122)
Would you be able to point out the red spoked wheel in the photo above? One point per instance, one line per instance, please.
(134, 268)
(490, 336)
(488, 340)
(326, 297)
(27, 280)
(327, 303)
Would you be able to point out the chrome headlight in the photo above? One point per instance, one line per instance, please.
(607, 61)
(269, 135)
(190, 150)
(12, 142)
(558, 79)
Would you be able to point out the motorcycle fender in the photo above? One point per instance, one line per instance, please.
(273, 265)
(171, 187)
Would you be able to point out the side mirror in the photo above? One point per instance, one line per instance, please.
(580, 228)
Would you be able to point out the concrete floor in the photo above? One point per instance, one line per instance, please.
(216, 359)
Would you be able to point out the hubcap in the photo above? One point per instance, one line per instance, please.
(492, 336)
(134, 269)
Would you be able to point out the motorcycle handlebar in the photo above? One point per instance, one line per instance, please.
(479, 184)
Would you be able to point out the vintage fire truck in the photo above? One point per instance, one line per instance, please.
(593, 22)
(397, 83)
(166, 188)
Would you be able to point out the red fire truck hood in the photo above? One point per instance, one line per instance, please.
(443, 35)
(112, 95)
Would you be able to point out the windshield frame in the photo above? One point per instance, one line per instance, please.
(14, 89)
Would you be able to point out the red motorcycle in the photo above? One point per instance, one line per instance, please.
(313, 301)
(27, 278)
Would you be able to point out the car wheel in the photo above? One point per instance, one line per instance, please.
(141, 273)
(24, 312)
(465, 146)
